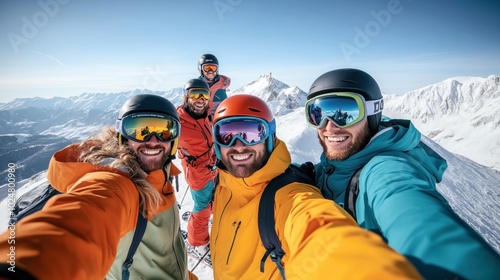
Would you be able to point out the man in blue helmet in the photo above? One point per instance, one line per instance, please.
(397, 185)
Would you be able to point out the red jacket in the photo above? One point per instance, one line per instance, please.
(217, 91)
(196, 149)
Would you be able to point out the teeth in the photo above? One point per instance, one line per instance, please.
(336, 139)
(240, 157)
(151, 152)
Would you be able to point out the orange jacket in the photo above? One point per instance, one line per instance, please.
(320, 240)
(85, 232)
(196, 150)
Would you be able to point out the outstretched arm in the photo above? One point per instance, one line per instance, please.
(323, 242)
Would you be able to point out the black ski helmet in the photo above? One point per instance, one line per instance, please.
(195, 83)
(149, 103)
(350, 80)
(207, 59)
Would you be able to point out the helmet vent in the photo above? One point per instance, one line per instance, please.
(254, 110)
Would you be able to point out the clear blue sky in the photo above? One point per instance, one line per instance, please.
(68, 47)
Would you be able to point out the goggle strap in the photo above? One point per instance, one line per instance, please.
(272, 127)
(374, 107)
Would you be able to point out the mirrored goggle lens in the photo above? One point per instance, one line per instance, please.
(198, 93)
(210, 67)
(343, 111)
(141, 127)
(249, 131)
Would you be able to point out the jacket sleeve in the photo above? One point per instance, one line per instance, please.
(398, 198)
(322, 241)
(76, 234)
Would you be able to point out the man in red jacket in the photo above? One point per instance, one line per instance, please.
(198, 159)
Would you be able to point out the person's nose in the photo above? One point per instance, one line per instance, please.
(238, 144)
(330, 126)
(154, 138)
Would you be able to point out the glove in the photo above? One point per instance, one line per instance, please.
(308, 168)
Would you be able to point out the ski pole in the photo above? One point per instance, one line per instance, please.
(200, 260)
(184, 196)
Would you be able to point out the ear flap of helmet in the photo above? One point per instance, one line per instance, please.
(120, 138)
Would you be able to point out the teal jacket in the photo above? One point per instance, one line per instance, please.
(399, 201)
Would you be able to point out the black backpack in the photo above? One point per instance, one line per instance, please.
(266, 220)
(34, 200)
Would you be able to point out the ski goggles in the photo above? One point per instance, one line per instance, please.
(209, 67)
(197, 93)
(344, 109)
(141, 127)
(249, 130)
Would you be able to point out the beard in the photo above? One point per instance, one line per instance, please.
(358, 143)
(150, 164)
(197, 111)
(245, 170)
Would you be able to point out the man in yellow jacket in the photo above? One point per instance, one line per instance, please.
(86, 231)
(320, 240)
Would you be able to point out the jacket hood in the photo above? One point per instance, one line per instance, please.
(65, 169)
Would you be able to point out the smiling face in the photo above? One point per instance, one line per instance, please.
(209, 75)
(341, 143)
(151, 154)
(242, 161)
(198, 106)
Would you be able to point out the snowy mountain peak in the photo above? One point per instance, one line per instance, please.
(450, 97)
(457, 113)
(280, 97)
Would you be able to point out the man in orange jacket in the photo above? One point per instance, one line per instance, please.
(320, 240)
(86, 231)
(208, 66)
(198, 159)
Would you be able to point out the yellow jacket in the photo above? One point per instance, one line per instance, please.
(85, 232)
(320, 240)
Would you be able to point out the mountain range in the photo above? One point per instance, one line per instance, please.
(34, 128)
(461, 114)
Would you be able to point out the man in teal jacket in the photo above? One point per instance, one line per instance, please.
(397, 185)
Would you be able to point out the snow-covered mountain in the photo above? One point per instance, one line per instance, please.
(280, 97)
(461, 114)
(32, 129)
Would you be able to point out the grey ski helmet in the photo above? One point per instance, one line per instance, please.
(149, 103)
(350, 80)
(207, 58)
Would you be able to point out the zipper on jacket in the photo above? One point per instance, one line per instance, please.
(220, 218)
(234, 238)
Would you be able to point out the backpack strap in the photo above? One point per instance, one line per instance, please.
(351, 194)
(266, 219)
(32, 201)
(140, 228)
